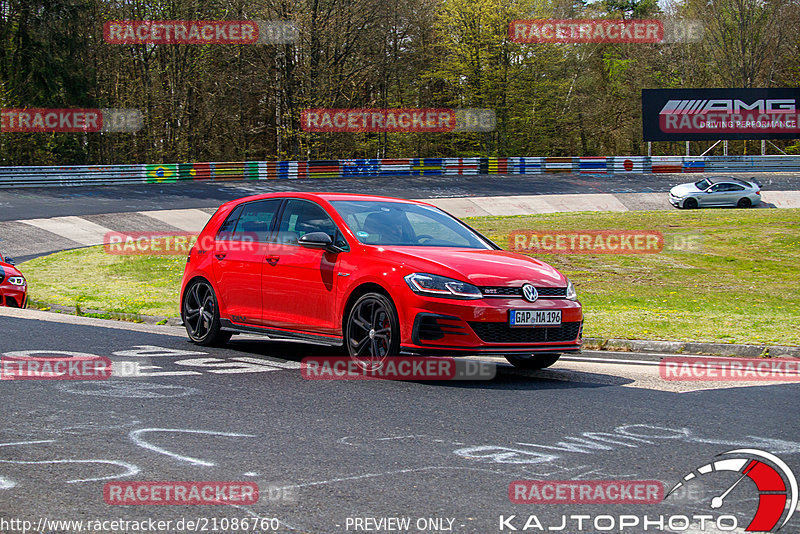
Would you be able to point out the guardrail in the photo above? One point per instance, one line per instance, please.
(75, 175)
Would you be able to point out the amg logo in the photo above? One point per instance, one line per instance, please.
(689, 107)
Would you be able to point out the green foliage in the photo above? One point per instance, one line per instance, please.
(232, 103)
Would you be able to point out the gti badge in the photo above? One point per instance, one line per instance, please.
(530, 293)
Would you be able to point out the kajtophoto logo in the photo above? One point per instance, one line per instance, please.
(774, 482)
(772, 493)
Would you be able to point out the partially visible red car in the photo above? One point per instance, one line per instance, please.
(382, 276)
(13, 286)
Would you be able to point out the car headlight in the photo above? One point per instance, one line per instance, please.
(571, 293)
(441, 286)
(16, 280)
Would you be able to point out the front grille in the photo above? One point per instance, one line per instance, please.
(503, 333)
(544, 292)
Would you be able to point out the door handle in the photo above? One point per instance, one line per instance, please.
(220, 255)
(273, 260)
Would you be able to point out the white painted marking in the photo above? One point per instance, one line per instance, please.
(153, 351)
(163, 373)
(221, 366)
(134, 435)
(129, 468)
(6, 483)
(283, 364)
(188, 220)
(73, 228)
(460, 207)
(584, 202)
(782, 199)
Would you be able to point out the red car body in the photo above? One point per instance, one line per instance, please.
(13, 295)
(287, 290)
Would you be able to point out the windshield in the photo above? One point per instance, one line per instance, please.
(397, 223)
(702, 185)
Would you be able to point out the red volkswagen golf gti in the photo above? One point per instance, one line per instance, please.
(380, 276)
(13, 286)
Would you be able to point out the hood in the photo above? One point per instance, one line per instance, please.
(684, 189)
(7, 270)
(478, 267)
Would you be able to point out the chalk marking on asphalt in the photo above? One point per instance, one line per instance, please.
(134, 435)
(127, 389)
(594, 444)
(27, 442)
(130, 468)
(401, 437)
(73, 228)
(388, 473)
(188, 220)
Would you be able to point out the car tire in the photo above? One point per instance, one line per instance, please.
(744, 203)
(372, 330)
(534, 361)
(202, 324)
(690, 203)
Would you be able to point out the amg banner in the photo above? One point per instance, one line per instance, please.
(711, 114)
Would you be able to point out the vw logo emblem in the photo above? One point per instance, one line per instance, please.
(530, 293)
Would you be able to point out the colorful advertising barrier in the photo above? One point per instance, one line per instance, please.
(164, 173)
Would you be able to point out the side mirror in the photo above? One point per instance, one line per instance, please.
(315, 240)
(318, 240)
(11, 261)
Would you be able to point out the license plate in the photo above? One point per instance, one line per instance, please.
(535, 318)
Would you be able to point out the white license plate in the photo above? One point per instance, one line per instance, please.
(535, 318)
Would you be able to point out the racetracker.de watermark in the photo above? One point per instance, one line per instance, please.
(235, 32)
(602, 242)
(604, 31)
(180, 493)
(399, 120)
(586, 491)
(179, 244)
(70, 120)
(395, 368)
(694, 369)
(21, 365)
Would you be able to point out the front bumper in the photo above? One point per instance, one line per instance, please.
(13, 296)
(481, 326)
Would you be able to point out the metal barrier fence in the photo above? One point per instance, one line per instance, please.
(75, 175)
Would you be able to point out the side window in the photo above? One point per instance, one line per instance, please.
(255, 221)
(301, 217)
(735, 187)
(717, 188)
(226, 230)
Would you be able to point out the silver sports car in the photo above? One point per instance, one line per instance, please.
(716, 192)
